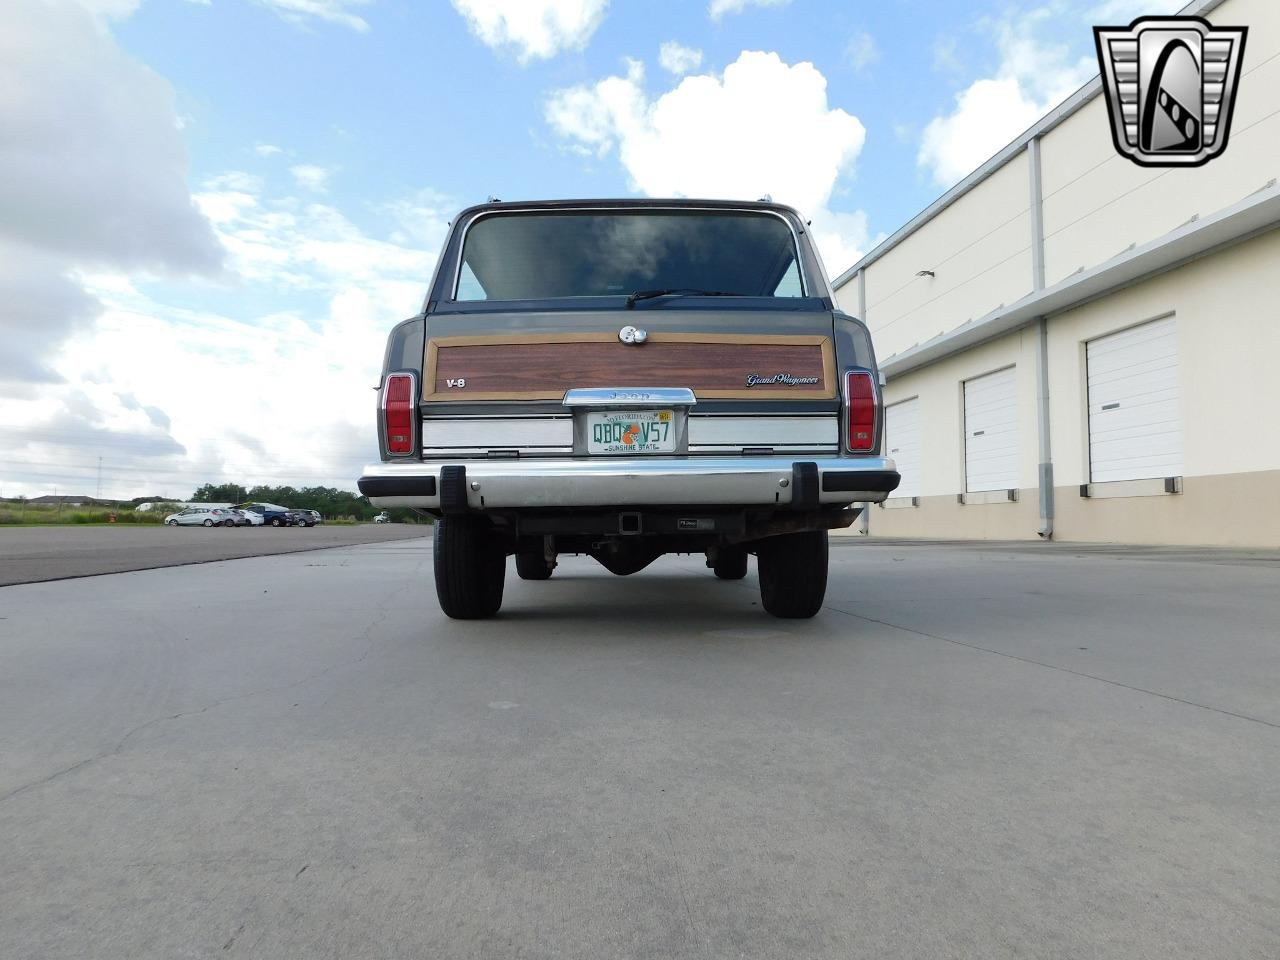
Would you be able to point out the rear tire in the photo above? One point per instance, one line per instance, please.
(731, 563)
(470, 569)
(793, 574)
(208, 523)
(533, 566)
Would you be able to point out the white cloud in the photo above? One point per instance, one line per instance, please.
(422, 218)
(842, 239)
(862, 50)
(946, 58)
(92, 176)
(284, 245)
(112, 9)
(733, 136)
(267, 150)
(719, 8)
(138, 383)
(678, 59)
(1032, 77)
(537, 29)
(339, 12)
(311, 177)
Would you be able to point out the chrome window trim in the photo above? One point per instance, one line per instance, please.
(805, 286)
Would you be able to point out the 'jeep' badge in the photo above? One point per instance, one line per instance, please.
(1170, 85)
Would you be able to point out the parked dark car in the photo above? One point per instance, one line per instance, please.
(301, 518)
(272, 514)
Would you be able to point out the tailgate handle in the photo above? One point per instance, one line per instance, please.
(630, 397)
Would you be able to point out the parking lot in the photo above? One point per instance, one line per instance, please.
(32, 554)
(974, 751)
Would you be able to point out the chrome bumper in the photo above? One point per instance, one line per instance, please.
(630, 481)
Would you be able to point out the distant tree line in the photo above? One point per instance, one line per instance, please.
(330, 501)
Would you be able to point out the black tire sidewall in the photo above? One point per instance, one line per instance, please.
(731, 563)
(533, 566)
(793, 573)
(470, 568)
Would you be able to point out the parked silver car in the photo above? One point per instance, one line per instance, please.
(201, 517)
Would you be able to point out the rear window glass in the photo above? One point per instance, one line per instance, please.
(536, 256)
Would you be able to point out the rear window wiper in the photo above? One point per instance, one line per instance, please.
(677, 292)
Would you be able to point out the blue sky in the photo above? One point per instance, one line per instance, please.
(215, 208)
(417, 100)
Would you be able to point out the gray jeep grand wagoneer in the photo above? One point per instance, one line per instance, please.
(624, 379)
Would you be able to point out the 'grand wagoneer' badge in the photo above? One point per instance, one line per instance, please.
(786, 379)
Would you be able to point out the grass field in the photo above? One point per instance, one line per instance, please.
(26, 514)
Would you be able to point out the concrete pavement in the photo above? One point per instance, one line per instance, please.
(975, 751)
(34, 554)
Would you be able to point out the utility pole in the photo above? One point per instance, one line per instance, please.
(98, 495)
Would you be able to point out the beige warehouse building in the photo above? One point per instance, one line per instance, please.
(1078, 347)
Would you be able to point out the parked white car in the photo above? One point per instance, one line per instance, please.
(246, 518)
(201, 517)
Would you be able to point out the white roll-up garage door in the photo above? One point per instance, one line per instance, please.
(991, 432)
(1135, 426)
(902, 440)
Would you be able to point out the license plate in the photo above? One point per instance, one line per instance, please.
(631, 431)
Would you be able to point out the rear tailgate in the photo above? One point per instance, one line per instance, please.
(766, 381)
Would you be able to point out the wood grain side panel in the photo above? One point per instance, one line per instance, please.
(544, 366)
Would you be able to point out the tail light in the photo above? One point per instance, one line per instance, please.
(860, 394)
(397, 413)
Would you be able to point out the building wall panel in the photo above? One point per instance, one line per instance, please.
(979, 249)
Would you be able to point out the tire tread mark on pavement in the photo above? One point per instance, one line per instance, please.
(383, 610)
(239, 930)
(1054, 666)
(684, 893)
